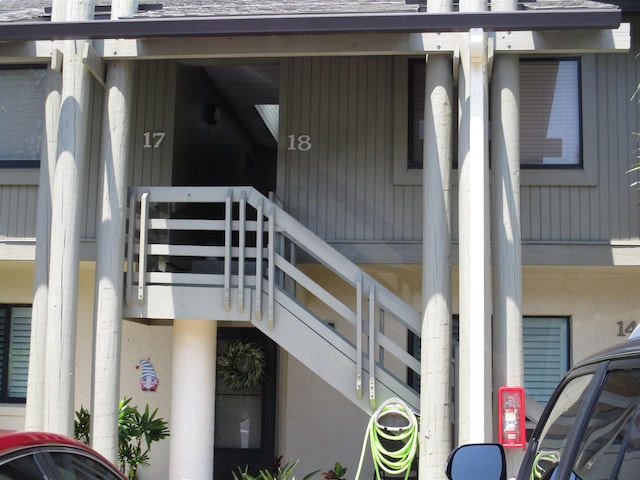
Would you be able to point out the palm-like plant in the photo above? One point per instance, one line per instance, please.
(136, 432)
(279, 472)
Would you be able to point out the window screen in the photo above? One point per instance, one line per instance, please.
(22, 100)
(550, 125)
(550, 113)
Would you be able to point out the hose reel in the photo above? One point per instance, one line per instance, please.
(392, 434)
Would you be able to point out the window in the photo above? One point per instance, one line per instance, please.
(546, 354)
(15, 338)
(550, 112)
(545, 349)
(245, 426)
(22, 100)
(609, 446)
(552, 440)
(550, 135)
(73, 466)
(22, 467)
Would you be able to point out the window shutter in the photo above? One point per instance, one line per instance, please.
(19, 342)
(546, 354)
(3, 328)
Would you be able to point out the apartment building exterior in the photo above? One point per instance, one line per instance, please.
(385, 199)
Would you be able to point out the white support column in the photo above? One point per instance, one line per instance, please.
(193, 400)
(34, 410)
(475, 418)
(110, 253)
(66, 209)
(435, 371)
(508, 363)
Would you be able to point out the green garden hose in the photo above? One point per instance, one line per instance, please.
(392, 423)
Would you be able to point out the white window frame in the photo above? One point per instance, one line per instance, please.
(587, 175)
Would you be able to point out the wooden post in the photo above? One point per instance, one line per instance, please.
(435, 369)
(508, 363)
(475, 296)
(34, 410)
(66, 209)
(110, 253)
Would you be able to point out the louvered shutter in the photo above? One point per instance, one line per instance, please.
(19, 343)
(4, 315)
(546, 354)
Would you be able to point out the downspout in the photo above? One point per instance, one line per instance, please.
(508, 363)
(475, 290)
(66, 209)
(115, 139)
(34, 410)
(436, 346)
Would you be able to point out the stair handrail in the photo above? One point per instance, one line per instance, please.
(337, 262)
(272, 219)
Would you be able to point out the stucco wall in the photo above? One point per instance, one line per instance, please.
(138, 342)
(317, 425)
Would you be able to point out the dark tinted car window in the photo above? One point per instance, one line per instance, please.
(21, 468)
(79, 467)
(609, 448)
(552, 440)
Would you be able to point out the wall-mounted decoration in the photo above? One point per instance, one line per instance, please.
(242, 365)
(148, 377)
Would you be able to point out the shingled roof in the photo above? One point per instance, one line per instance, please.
(34, 10)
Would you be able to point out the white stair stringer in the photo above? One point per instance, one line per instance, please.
(329, 355)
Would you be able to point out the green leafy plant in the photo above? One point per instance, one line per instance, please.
(82, 426)
(136, 432)
(336, 473)
(276, 472)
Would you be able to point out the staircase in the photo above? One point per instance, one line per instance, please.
(230, 253)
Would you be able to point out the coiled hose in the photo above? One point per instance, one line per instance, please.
(393, 422)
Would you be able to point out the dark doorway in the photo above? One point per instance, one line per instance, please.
(226, 125)
(245, 420)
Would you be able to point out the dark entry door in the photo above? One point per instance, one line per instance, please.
(245, 420)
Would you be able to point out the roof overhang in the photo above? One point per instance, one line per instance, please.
(415, 22)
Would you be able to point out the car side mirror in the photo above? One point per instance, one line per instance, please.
(477, 462)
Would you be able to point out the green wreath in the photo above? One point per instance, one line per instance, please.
(242, 365)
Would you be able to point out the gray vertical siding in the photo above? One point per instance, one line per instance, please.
(607, 210)
(153, 111)
(18, 211)
(342, 187)
(153, 107)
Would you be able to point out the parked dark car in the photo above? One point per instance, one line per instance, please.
(590, 429)
(41, 456)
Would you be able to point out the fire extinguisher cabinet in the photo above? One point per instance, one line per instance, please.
(511, 418)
